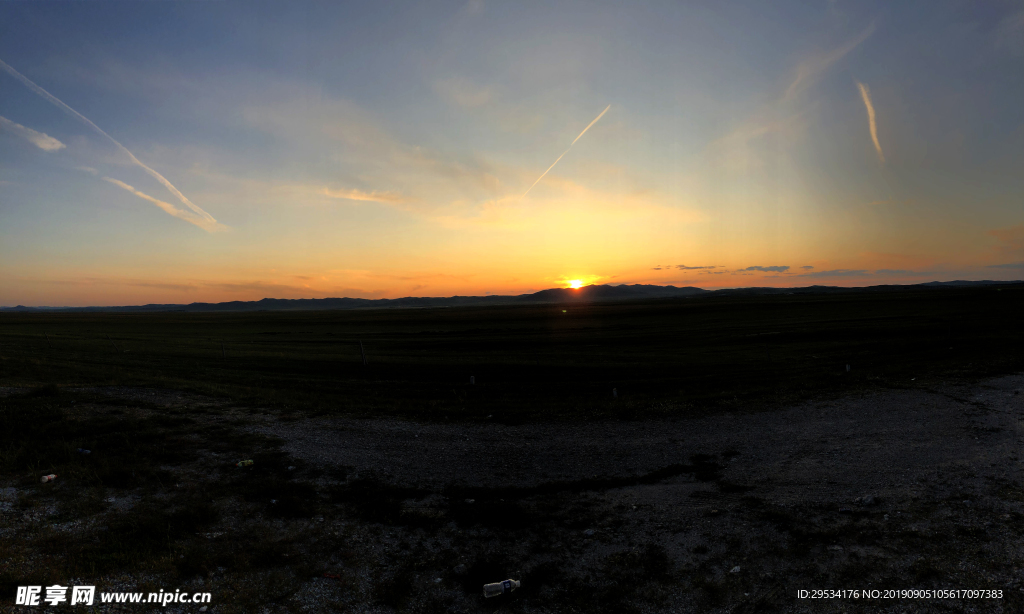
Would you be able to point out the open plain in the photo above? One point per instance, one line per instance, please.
(739, 463)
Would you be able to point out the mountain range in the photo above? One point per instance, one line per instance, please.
(587, 294)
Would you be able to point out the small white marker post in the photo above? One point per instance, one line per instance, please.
(472, 380)
(847, 368)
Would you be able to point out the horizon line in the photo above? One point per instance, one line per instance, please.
(494, 296)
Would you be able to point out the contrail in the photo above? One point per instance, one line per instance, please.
(866, 95)
(167, 207)
(590, 124)
(39, 139)
(567, 150)
(209, 223)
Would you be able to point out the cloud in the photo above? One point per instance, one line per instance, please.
(810, 69)
(767, 269)
(683, 267)
(785, 117)
(1011, 240)
(267, 290)
(40, 140)
(87, 169)
(99, 281)
(254, 289)
(865, 94)
(892, 201)
(462, 92)
(354, 139)
(375, 196)
(570, 205)
(836, 273)
(208, 223)
(807, 267)
(1009, 265)
(170, 209)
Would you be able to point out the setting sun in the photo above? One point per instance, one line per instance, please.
(575, 283)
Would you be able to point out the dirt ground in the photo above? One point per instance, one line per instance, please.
(939, 469)
(917, 488)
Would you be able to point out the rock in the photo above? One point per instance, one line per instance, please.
(866, 500)
(202, 609)
(589, 532)
(735, 569)
(460, 569)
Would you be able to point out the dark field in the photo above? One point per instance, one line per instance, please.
(729, 472)
(666, 358)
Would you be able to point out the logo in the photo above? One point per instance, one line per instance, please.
(56, 594)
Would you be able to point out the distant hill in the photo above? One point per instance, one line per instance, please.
(587, 294)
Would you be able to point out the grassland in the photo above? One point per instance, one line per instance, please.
(533, 362)
(167, 403)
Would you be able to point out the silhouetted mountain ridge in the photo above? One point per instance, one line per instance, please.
(587, 294)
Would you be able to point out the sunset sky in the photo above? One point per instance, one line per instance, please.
(171, 152)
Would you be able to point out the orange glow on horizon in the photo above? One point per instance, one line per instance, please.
(575, 284)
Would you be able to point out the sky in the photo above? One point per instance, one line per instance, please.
(173, 152)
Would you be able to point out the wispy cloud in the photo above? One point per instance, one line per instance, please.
(683, 267)
(567, 150)
(208, 222)
(375, 196)
(892, 201)
(811, 68)
(1009, 265)
(1011, 240)
(462, 92)
(40, 140)
(250, 290)
(836, 273)
(785, 116)
(170, 209)
(865, 94)
(767, 269)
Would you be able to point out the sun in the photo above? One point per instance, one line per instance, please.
(576, 284)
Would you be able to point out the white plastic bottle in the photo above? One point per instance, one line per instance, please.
(497, 588)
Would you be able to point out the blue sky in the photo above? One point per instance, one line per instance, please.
(384, 149)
